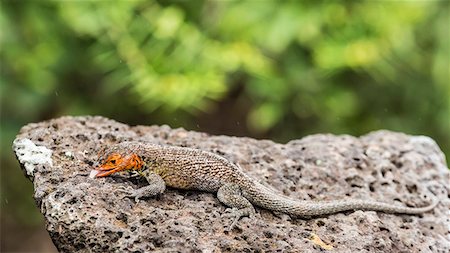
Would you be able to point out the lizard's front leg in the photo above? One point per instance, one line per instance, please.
(231, 195)
(155, 187)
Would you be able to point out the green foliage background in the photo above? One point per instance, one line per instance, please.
(267, 69)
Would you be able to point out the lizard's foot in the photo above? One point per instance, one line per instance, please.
(237, 214)
(155, 187)
(143, 192)
(129, 193)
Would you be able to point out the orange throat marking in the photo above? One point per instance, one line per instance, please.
(116, 162)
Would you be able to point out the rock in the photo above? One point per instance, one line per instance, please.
(91, 215)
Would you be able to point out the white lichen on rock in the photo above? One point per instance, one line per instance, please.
(68, 154)
(30, 155)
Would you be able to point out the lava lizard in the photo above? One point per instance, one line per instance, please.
(187, 168)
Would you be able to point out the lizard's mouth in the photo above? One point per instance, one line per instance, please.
(116, 163)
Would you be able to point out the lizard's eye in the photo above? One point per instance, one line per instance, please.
(113, 159)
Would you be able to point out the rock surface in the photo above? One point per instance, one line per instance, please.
(91, 215)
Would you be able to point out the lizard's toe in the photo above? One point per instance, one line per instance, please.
(237, 214)
(124, 190)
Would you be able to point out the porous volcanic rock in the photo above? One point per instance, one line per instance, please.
(92, 215)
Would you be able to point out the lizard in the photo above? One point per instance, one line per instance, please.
(195, 169)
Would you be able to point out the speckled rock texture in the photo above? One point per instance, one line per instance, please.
(92, 215)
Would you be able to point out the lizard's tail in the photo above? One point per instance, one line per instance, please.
(266, 198)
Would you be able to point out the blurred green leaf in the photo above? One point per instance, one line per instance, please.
(264, 117)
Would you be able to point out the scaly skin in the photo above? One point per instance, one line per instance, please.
(186, 168)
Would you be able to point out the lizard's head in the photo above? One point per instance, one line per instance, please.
(116, 162)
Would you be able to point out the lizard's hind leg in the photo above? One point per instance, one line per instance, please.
(231, 195)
